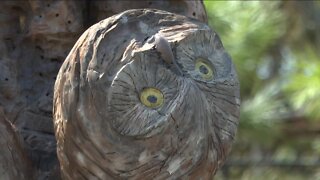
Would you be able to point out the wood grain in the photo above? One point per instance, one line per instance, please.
(103, 129)
(14, 164)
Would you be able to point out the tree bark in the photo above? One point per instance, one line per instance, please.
(14, 163)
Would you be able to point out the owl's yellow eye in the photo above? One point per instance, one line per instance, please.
(151, 97)
(204, 69)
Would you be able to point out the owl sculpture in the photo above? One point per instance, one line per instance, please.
(145, 94)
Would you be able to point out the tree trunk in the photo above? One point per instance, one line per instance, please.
(14, 163)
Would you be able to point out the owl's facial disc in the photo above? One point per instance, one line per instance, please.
(151, 97)
(142, 95)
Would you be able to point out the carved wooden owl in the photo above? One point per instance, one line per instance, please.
(146, 94)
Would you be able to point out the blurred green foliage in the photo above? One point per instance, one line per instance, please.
(248, 31)
(275, 46)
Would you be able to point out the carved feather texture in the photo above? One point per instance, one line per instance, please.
(104, 130)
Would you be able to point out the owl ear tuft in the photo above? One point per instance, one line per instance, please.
(164, 48)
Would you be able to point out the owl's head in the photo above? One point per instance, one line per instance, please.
(146, 94)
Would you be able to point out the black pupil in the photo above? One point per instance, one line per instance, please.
(152, 99)
(203, 69)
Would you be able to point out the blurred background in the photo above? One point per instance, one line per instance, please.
(275, 46)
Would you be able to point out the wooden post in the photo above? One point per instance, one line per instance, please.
(35, 38)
